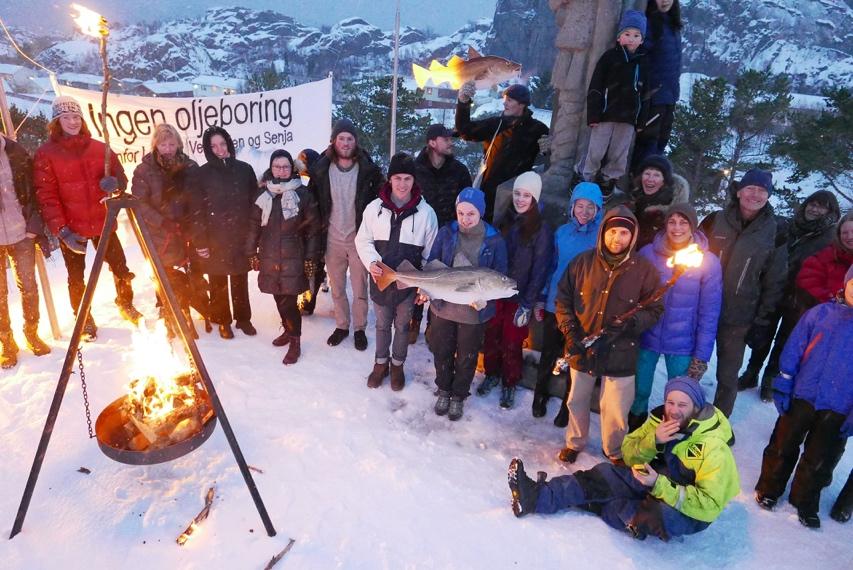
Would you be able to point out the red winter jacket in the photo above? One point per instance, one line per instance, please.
(822, 275)
(66, 173)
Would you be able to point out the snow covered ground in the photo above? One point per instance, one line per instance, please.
(359, 478)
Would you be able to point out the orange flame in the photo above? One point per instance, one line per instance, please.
(91, 23)
(690, 256)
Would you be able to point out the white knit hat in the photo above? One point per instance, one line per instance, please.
(529, 181)
(64, 104)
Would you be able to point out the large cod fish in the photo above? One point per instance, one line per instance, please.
(485, 71)
(462, 285)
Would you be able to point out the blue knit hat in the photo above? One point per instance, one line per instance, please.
(475, 197)
(689, 386)
(757, 177)
(632, 19)
(518, 92)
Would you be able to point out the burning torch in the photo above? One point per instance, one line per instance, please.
(683, 259)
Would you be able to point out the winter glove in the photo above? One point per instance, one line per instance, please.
(544, 144)
(847, 427)
(522, 317)
(310, 267)
(467, 91)
(539, 311)
(574, 343)
(72, 241)
(108, 184)
(783, 385)
(255, 262)
(758, 336)
(697, 368)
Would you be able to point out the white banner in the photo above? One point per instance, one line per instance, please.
(293, 119)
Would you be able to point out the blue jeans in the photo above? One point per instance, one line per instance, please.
(647, 362)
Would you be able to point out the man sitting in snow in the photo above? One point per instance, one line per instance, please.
(682, 476)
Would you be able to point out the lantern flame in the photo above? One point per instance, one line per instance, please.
(91, 23)
(690, 256)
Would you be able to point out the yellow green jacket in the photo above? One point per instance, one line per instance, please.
(697, 474)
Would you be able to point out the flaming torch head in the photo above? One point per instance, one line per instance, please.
(690, 256)
(91, 23)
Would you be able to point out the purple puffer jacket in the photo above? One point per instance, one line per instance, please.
(691, 311)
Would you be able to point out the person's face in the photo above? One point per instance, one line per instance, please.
(664, 5)
(630, 39)
(752, 198)
(815, 210)
(678, 230)
(512, 108)
(848, 293)
(679, 407)
(345, 145)
(167, 147)
(584, 211)
(521, 200)
(617, 240)
(846, 235)
(441, 145)
(401, 186)
(281, 168)
(71, 123)
(652, 181)
(467, 215)
(219, 146)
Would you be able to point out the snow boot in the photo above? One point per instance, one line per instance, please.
(844, 503)
(414, 330)
(540, 405)
(226, 332)
(507, 397)
(293, 352)
(124, 298)
(457, 408)
(749, 379)
(442, 404)
(765, 502)
(359, 339)
(486, 386)
(90, 330)
(398, 379)
(337, 336)
(247, 328)
(568, 455)
(561, 420)
(36, 345)
(808, 520)
(208, 328)
(281, 340)
(766, 391)
(380, 371)
(525, 491)
(9, 356)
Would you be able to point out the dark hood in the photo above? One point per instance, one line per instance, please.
(825, 197)
(624, 212)
(208, 150)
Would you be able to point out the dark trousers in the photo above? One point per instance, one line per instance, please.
(220, 310)
(845, 497)
(319, 276)
(655, 136)
(789, 318)
(288, 310)
(502, 354)
(199, 291)
(180, 283)
(23, 260)
(552, 349)
(454, 348)
(730, 350)
(821, 453)
(621, 501)
(75, 265)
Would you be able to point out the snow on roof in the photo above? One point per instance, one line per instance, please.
(229, 82)
(161, 87)
(81, 78)
(9, 69)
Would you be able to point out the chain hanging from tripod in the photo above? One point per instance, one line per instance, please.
(85, 393)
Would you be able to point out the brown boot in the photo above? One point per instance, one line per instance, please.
(36, 345)
(380, 371)
(293, 352)
(9, 356)
(398, 379)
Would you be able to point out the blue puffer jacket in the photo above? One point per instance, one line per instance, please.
(817, 358)
(691, 309)
(572, 238)
(664, 53)
(529, 263)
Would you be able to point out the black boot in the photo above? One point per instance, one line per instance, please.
(844, 503)
(766, 391)
(525, 491)
(561, 420)
(749, 379)
(635, 421)
(540, 404)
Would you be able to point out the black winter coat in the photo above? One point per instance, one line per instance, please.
(370, 180)
(590, 295)
(440, 186)
(618, 90)
(163, 202)
(221, 195)
(22, 178)
(283, 245)
(754, 269)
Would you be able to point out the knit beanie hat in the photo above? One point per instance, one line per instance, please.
(632, 19)
(65, 105)
(473, 196)
(529, 181)
(685, 210)
(660, 163)
(343, 126)
(518, 92)
(757, 177)
(688, 386)
(401, 163)
(620, 222)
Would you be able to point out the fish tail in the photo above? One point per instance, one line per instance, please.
(388, 276)
(421, 75)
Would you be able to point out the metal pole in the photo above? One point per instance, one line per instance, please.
(393, 146)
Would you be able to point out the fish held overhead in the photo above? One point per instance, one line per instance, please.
(462, 285)
(485, 71)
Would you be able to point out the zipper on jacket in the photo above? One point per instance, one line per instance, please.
(742, 275)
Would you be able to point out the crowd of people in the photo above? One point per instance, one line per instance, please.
(602, 286)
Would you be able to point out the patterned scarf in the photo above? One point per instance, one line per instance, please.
(289, 199)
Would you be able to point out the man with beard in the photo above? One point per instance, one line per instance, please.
(682, 473)
(345, 180)
(511, 142)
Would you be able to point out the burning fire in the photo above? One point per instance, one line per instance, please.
(91, 23)
(690, 256)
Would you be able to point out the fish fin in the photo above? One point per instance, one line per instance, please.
(480, 304)
(455, 61)
(472, 53)
(406, 265)
(435, 66)
(421, 74)
(466, 288)
(388, 276)
(434, 265)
